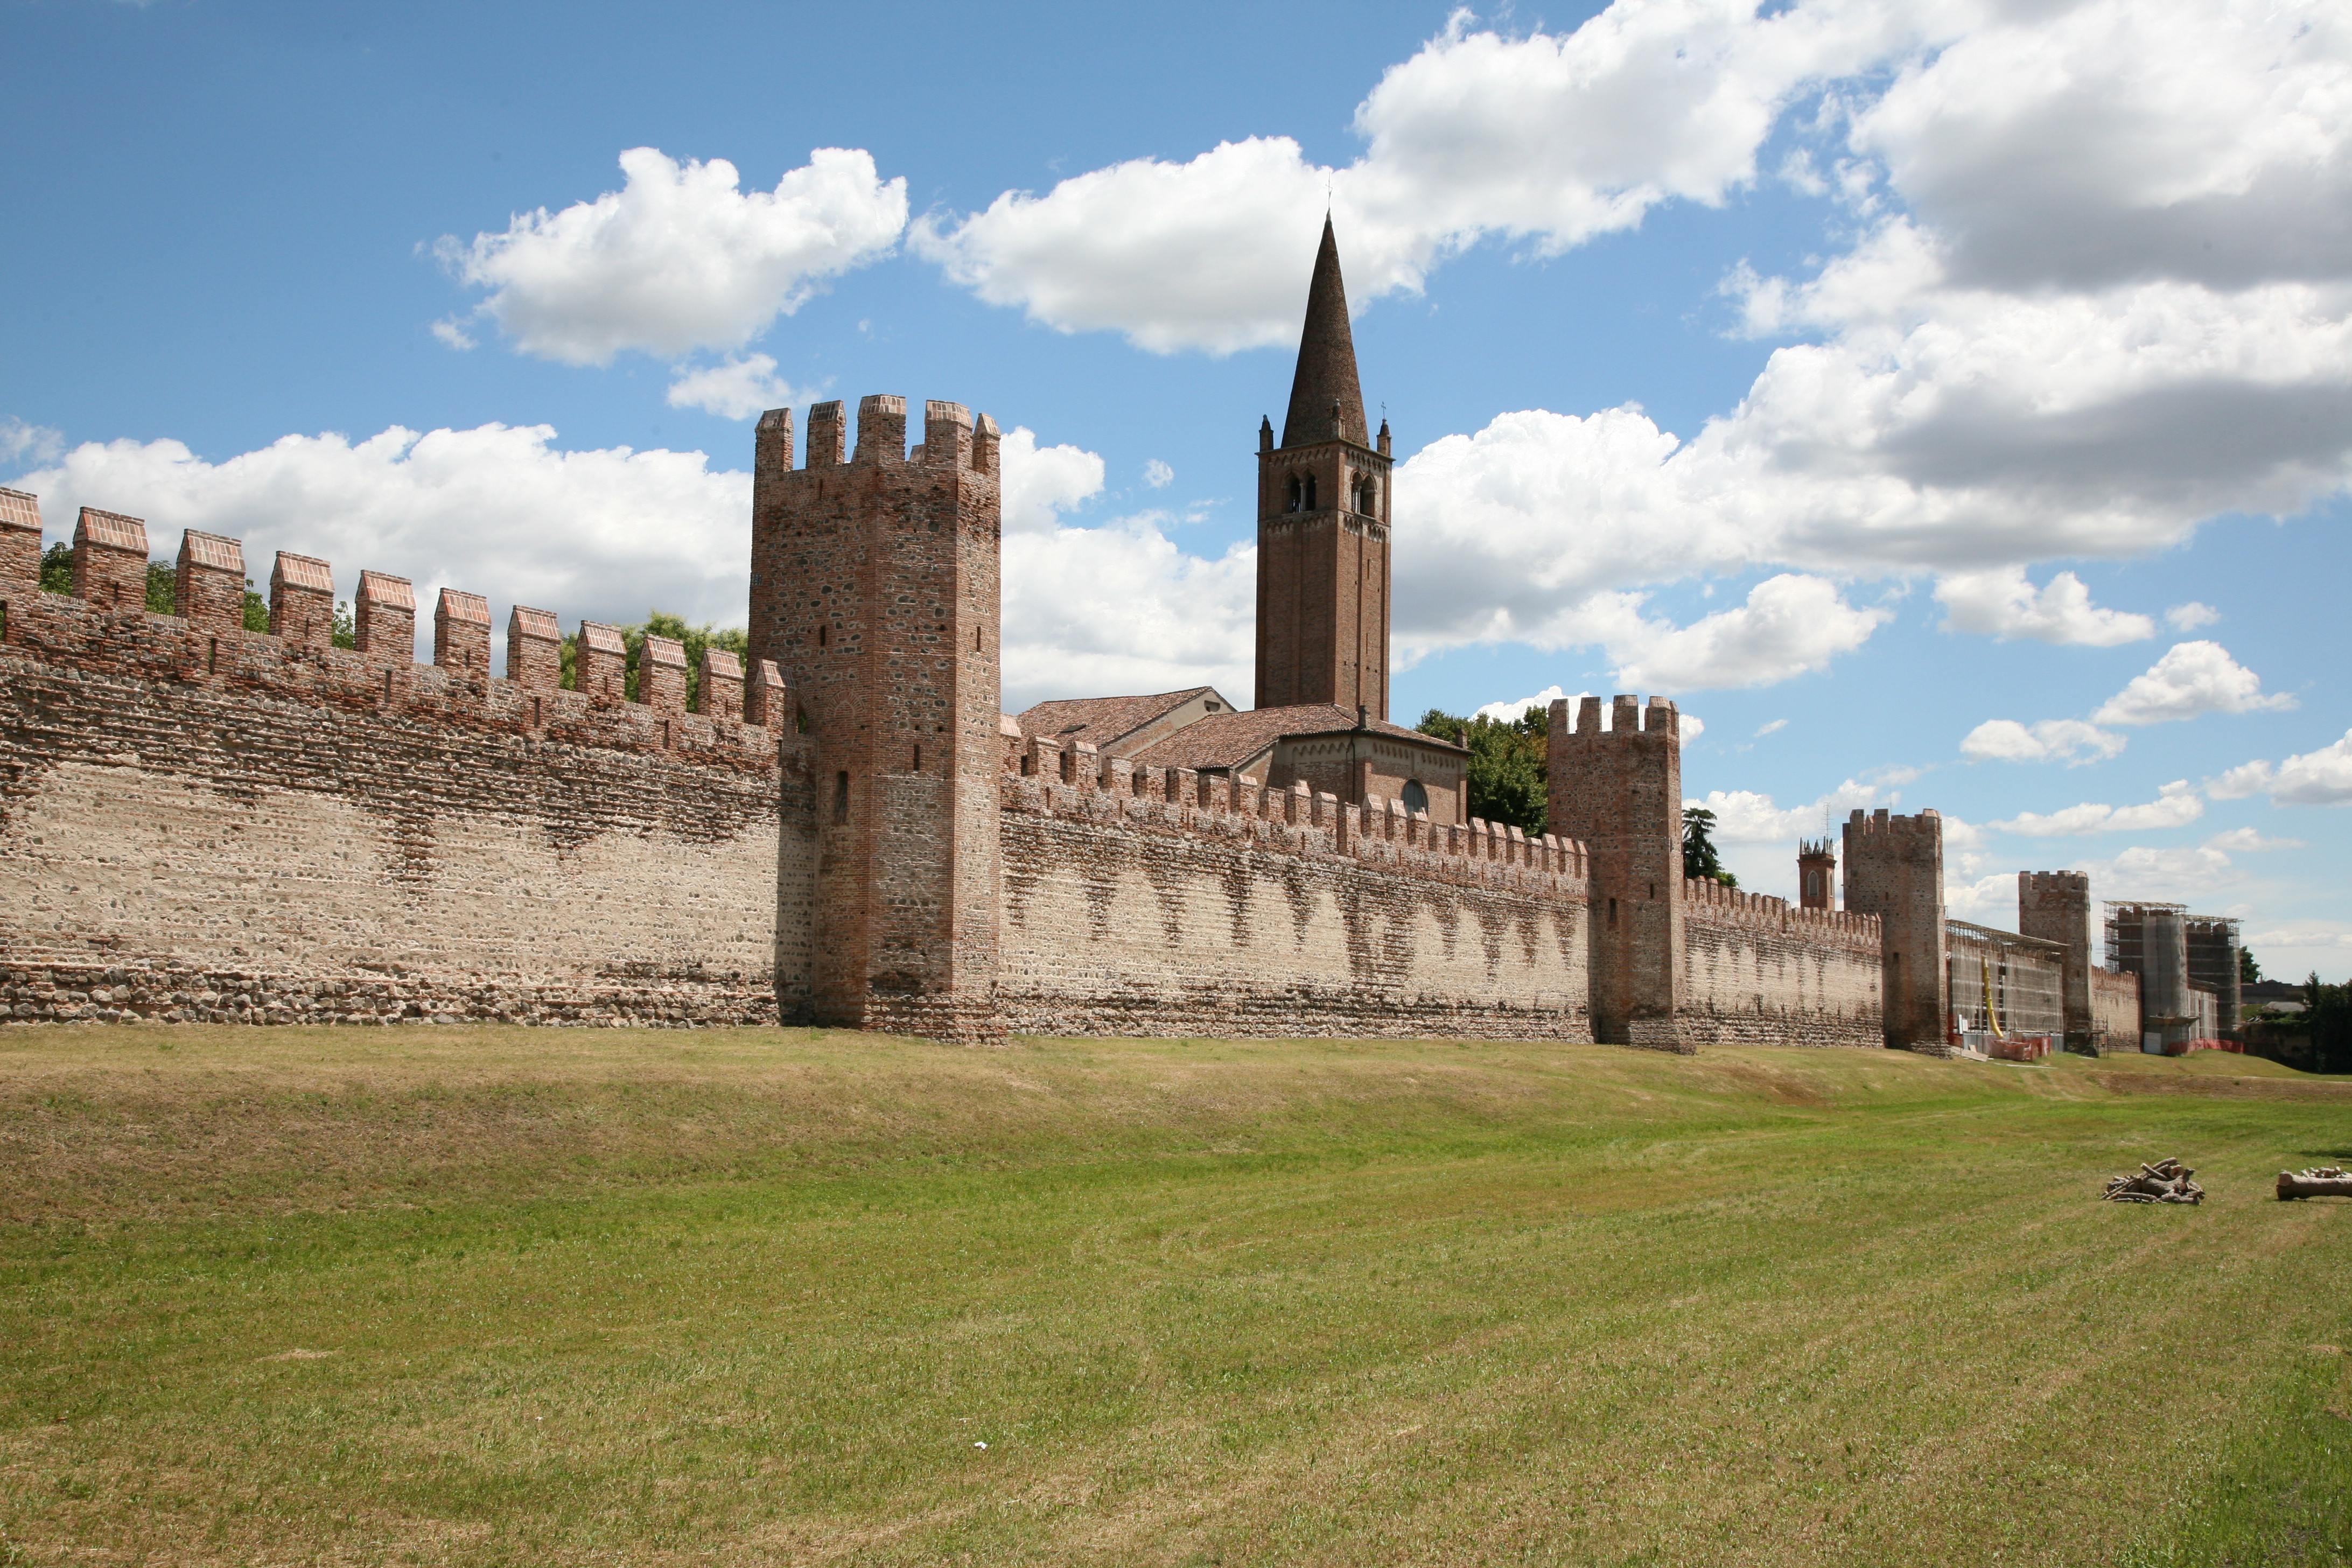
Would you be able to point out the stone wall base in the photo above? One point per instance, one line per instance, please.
(118, 990)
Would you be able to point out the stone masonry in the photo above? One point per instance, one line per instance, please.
(1618, 791)
(1894, 869)
(874, 592)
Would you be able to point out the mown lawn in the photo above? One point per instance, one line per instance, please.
(555, 1298)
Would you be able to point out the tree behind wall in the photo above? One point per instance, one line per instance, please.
(2328, 1010)
(1700, 862)
(1509, 765)
(662, 624)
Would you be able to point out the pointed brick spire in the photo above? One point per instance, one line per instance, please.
(1327, 361)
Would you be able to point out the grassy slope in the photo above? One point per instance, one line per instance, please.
(506, 1296)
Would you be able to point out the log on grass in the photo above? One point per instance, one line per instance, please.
(2330, 1182)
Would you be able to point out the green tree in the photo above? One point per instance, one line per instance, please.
(57, 568)
(1700, 862)
(1508, 775)
(662, 624)
(2328, 1011)
(2248, 971)
(163, 588)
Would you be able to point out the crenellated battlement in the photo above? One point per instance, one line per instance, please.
(1881, 823)
(1072, 783)
(953, 438)
(1627, 718)
(1708, 901)
(104, 630)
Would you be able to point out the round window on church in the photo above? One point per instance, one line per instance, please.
(1415, 797)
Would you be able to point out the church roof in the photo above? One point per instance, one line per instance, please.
(1100, 721)
(1327, 361)
(1231, 739)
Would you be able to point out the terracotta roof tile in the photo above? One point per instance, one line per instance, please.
(1229, 740)
(1099, 720)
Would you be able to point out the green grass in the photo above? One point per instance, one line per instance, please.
(555, 1298)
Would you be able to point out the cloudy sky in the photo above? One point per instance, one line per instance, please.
(1949, 404)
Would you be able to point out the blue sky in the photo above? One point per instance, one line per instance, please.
(1949, 408)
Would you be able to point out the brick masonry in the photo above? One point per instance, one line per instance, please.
(1894, 869)
(875, 593)
(1144, 901)
(1618, 791)
(192, 814)
(1757, 971)
(2115, 1011)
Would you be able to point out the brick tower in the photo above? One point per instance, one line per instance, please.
(2056, 907)
(1621, 791)
(1323, 523)
(1894, 869)
(1816, 874)
(873, 589)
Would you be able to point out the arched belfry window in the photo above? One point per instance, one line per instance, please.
(1293, 494)
(1414, 797)
(1310, 493)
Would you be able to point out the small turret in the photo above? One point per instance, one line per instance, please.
(1816, 874)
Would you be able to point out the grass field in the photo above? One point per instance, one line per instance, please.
(456, 1296)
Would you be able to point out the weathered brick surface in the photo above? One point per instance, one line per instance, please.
(1618, 791)
(875, 595)
(2115, 1011)
(1894, 869)
(2055, 905)
(1131, 908)
(1757, 971)
(186, 807)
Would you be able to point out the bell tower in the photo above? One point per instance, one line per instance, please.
(1323, 523)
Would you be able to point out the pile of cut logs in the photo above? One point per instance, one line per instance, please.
(2319, 1182)
(2165, 1181)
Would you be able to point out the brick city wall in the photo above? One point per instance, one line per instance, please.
(201, 821)
(1144, 901)
(1757, 971)
(2115, 1011)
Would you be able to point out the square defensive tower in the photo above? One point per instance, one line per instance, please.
(875, 592)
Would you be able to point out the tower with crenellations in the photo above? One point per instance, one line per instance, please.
(1620, 792)
(874, 597)
(2056, 907)
(1894, 869)
(1323, 523)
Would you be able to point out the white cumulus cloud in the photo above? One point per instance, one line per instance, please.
(2004, 604)
(2187, 617)
(2177, 806)
(497, 509)
(1789, 624)
(1554, 137)
(679, 257)
(2323, 777)
(1042, 482)
(2191, 678)
(1158, 474)
(1746, 816)
(737, 387)
(1121, 608)
(2051, 739)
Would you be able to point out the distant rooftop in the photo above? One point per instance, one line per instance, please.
(1231, 739)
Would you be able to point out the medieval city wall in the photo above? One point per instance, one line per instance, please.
(199, 821)
(1146, 901)
(2115, 1011)
(1757, 971)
